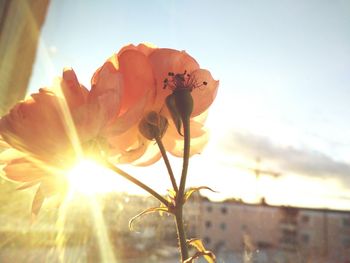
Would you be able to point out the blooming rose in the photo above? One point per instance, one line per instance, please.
(149, 75)
(51, 129)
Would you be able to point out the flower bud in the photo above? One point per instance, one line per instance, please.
(183, 102)
(180, 106)
(153, 125)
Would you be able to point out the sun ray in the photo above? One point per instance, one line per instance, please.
(69, 124)
(60, 226)
(51, 72)
(104, 243)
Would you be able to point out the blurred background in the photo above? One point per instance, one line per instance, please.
(279, 148)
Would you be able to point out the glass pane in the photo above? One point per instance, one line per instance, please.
(276, 157)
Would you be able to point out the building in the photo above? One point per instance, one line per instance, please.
(287, 233)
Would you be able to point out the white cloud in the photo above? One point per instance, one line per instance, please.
(289, 159)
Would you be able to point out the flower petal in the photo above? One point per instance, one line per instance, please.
(127, 147)
(175, 146)
(151, 155)
(37, 202)
(166, 60)
(106, 91)
(36, 126)
(74, 93)
(3, 145)
(23, 171)
(52, 185)
(130, 117)
(145, 48)
(137, 78)
(204, 95)
(124, 141)
(197, 130)
(201, 118)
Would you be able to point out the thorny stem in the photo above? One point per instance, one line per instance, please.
(180, 196)
(137, 182)
(167, 163)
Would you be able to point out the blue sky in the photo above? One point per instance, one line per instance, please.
(284, 82)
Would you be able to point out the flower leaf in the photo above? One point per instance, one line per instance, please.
(27, 185)
(204, 254)
(207, 254)
(37, 202)
(175, 115)
(172, 194)
(160, 209)
(196, 189)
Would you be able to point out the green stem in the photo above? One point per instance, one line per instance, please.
(167, 163)
(181, 233)
(187, 141)
(180, 196)
(137, 182)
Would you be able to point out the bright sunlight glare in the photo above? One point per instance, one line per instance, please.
(88, 177)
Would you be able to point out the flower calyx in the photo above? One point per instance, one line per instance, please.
(180, 102)
(153, 125)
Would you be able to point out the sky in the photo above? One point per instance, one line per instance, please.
(284, 88)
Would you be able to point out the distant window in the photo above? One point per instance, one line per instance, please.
(207, 224)
(224, 210)
(209, 208)
(305, 238)
(264, 245)
(346, 243)
(305, 219)
(289, 233)
(288, 240)
(346, 222)
(207, 240)
(223, 226)
(219, 245)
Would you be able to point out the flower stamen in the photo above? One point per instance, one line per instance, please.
(182, 81)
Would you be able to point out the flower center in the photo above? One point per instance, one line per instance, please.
(182, 81)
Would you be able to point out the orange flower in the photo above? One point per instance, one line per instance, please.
(149, 75)
(50, 130)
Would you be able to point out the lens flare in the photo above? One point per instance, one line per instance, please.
(88, 177)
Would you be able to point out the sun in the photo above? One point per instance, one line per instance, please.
(88, 177)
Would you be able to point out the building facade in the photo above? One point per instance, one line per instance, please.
(283, 234)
